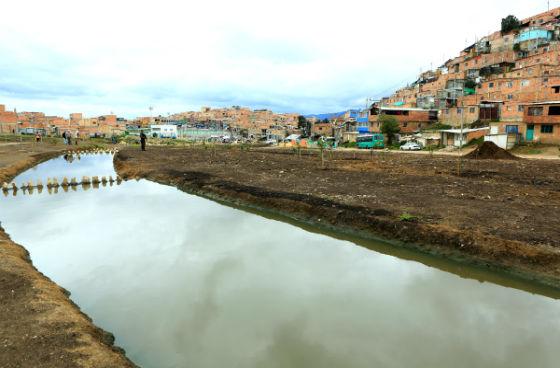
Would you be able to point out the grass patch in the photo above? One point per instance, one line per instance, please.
(407, 217)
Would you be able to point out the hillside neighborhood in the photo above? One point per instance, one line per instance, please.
(505, 88)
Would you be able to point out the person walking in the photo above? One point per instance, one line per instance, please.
(69, 138)
(64, 137)
(143, 139)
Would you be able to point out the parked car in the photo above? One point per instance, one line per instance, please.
(411, 146)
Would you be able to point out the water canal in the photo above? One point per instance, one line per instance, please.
(182, 281)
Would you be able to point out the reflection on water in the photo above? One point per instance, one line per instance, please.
(185, 282)
(69, 166)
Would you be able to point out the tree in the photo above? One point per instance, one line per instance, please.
(389, 127)
(510, 23)
(304, 125)
(326, 121)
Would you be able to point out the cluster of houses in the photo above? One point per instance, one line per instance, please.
(505, 86)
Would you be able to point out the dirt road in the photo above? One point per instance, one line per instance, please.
(39, 324)
(497, 214)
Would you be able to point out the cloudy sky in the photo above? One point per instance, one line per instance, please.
(304, 56)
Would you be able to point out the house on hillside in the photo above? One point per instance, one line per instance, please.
(411, 120)
(542, 122)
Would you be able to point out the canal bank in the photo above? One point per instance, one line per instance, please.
(39, 325)
(493, 216)
(183, 281)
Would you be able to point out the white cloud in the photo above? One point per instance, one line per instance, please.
(306, 56)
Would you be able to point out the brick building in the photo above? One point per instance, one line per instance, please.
(493, 81)
(411, 120)
(8, 120)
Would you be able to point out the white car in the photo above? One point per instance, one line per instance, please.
(411, 146)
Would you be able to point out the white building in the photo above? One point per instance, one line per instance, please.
(163, 131)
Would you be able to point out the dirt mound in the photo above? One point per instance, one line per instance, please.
(489, 151)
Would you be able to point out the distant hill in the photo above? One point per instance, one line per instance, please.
(331, 115)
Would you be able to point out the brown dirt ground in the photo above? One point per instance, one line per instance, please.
(490, 151)
(39, 325)
(498, 214)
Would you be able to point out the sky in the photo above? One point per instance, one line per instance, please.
(123, 56)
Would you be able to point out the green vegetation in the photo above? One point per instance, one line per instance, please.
(407, 217)
(304, 125)
(510, 23)
(477, 124)
(389, 127)
(475, 142)
(349, 145)
(439, 126)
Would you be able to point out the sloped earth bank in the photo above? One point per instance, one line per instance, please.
(496, 214)
(39, 325)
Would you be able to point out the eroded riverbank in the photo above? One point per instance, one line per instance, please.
(39, 325)
(496, 215)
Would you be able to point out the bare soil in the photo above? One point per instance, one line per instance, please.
(499, 214)
(490, 151)
(39, 325)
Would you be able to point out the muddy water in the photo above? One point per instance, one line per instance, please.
(185, 282)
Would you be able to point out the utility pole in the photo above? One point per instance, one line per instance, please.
(460, 163)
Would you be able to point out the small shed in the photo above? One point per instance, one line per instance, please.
(452, 137)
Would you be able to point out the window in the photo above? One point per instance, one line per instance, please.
(446, 111)
(491, 85)
(545, 80)
(404, 124)
(512, 129)
(556, 89)
(554, 110)
(525, 83)
(510, 84)
(459, 110)
(510, 97)
(520, 108)
(535, 111)
(472, 110)
(547, 129)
